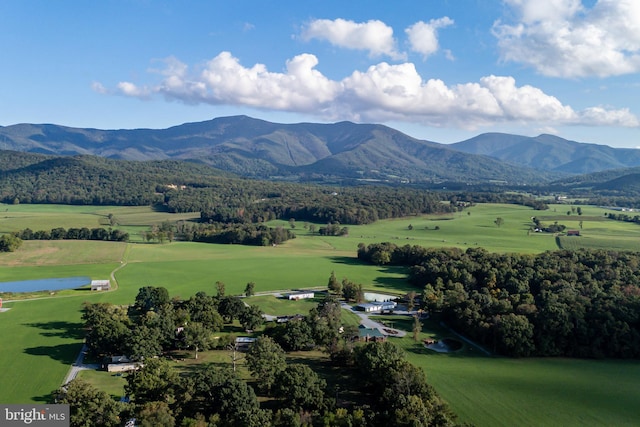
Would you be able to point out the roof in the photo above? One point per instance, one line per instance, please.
(369, 332)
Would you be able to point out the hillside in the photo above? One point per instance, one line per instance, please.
(550, 153)
(260, 149)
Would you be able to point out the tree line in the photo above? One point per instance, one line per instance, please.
(84, 233)
(583, 303)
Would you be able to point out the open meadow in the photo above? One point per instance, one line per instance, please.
(43, 336)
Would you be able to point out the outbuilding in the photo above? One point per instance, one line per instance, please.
(301, 295)
(100, 285)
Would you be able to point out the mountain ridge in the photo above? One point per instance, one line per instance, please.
(344, 150)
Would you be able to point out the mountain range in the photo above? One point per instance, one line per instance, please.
(306, 151)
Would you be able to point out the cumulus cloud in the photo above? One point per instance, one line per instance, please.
(423, 37)
(563, 38)
(373, 36)
(381, 93)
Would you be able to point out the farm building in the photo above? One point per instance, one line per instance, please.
(573, 232)
(300, 295)
(100, 285)
(376, 306)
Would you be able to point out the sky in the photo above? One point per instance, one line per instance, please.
(440, 70)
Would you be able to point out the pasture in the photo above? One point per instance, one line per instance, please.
(43, 336)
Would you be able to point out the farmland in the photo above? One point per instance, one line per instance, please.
(46, 333)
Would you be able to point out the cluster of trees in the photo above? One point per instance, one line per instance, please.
(262, 201)
(553, 228)
(623, 217)
(83, 233)
(9, 243)
(242, 234)
(498, 195)
(377, 386)
(155, 324)
(582, 303)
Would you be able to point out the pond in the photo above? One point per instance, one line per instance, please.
(45, 284)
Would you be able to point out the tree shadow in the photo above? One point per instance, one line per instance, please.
(45, 398)
(65, 353)
(346, 260)
(62, 329)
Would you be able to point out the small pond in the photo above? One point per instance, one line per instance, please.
(45, 284)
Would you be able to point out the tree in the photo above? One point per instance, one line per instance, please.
(411, 300)
(203, 308)
(151, 298)
(155, 414)
(220, 288)
(249, 289)
(231, 308)
(265, 359)
(197, 337)
(89, 406)
(9, 243)
(294, 335)
(143, 342)
(300, 387)
(333, 285)
(251, 318)
(417, 327)
(579, 210)
(156, 381)
(349, 290)
(220, 393)
(499, 221)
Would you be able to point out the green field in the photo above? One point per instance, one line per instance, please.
(43, 337)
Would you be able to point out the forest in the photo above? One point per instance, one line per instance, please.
(583, 303)
(279, 393)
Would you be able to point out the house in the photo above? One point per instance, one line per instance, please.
(243, 343)
(368, 307)
(123, 367)
(100, 285)
(301, 295)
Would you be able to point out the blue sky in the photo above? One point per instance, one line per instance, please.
(442, 70)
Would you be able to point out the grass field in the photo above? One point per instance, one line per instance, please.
(42, 337)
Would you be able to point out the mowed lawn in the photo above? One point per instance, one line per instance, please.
(43, 337)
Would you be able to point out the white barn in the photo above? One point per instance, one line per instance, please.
(100, 285)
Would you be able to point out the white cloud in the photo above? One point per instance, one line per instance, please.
(373, 36)
(423, 37)
(382, 93)
(563, 38)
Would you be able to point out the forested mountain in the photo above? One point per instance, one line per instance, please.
(550, 153)
(260, 149)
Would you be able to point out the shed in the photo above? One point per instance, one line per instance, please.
(100, 285)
